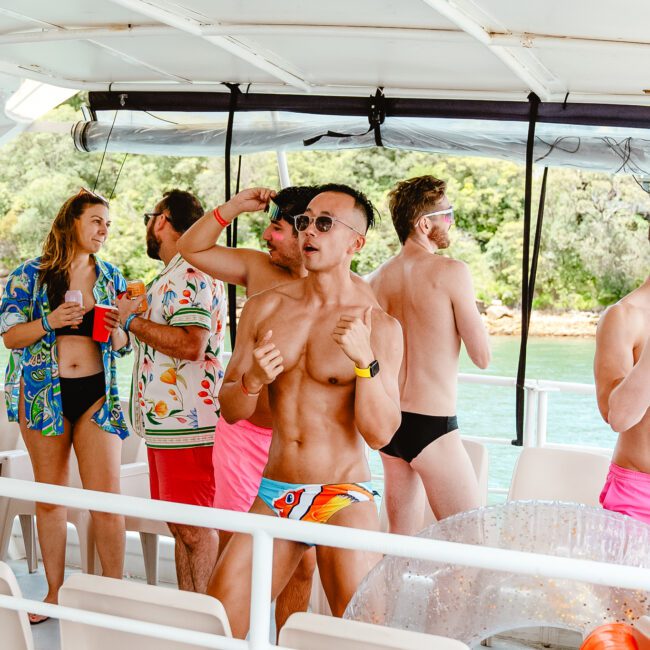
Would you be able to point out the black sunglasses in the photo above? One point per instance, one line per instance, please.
(323, 223)
(148, 216)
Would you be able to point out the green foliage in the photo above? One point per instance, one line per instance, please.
(594, 246)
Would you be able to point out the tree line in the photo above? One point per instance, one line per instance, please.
(594, 246)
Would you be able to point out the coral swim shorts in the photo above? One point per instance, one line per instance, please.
(239, 457)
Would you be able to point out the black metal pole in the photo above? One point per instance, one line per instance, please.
(525, 265)
(231, 231)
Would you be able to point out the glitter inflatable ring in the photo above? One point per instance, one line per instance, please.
(472, 604)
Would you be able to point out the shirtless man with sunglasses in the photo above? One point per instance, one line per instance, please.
(330, 358)
(432, 297)
(241, 448)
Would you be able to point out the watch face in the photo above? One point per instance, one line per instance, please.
(374, 368)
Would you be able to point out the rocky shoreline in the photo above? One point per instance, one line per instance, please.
(503, 321)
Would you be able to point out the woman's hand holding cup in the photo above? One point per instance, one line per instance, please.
(67, 313)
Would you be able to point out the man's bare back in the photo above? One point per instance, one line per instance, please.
(424, 292)
(433, 299)
(621, 338)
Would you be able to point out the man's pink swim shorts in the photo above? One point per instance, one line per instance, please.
(239, 456)
(628, 492)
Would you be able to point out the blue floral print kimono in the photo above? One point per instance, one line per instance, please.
(24, 300)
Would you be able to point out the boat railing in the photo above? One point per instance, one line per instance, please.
(264, 530)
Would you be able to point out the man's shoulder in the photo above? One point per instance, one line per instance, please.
(385, 322)
(624, 317)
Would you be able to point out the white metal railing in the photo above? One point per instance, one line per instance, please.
(264, 529)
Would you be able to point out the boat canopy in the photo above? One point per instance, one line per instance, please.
(454, 75)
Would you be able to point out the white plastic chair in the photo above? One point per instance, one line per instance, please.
(127, 599)
(559, 475)
(15, 633)
(317, 632)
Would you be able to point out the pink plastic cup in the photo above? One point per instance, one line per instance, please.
(101, 333)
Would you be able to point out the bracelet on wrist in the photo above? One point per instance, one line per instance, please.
(246, 391)
(220, 220)
(127, 323)
(46, 325)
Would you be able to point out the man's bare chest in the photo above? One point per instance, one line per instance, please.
(306, 345)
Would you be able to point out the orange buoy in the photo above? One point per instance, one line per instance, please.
(612, 636)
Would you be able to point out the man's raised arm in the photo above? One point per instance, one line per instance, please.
(254, 365)
(198, 244)
(630, 400)
(468, 321)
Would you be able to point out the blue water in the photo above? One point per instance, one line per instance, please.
(489, 411)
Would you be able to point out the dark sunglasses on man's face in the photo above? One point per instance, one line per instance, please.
(323, 223)
(148, 216)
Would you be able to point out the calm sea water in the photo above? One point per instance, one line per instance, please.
(489, 411)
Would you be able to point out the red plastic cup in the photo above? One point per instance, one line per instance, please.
(101, 333)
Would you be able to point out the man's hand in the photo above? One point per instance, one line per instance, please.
(252, 199)
(126, 307)
(111, 320)
(267, 365)
(352, 334)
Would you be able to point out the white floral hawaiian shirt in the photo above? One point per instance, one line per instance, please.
(174, 402)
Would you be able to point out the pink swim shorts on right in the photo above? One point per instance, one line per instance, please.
(239, 457)
(628, 492)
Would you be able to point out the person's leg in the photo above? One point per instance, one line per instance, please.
(295, 596)
(404, 496)
(186, 476)
(182, 560)
(342, 570)
(50, 457)
(448, 476)
(196, 556)
(231, 579)
(99, 457)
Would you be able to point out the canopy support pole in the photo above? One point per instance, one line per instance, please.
(528, 269)
(231, 230)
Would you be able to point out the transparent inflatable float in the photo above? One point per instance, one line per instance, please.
(471, 604)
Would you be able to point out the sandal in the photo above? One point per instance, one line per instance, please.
(37, 619)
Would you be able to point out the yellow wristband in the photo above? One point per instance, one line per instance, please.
(362, 372)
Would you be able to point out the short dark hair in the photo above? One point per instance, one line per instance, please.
(293, 200)
(361, 201)
(183, 207)
(410, 199)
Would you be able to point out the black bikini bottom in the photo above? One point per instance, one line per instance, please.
(78, 394)
(416, 432)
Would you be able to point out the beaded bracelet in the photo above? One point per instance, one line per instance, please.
(46, 326)
(220, 220)
(127, 323)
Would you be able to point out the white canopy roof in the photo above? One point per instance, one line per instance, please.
(596, 50)
(579, 52)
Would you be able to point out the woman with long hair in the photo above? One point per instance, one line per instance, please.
(61, 385)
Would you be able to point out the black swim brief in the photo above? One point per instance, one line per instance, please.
(78, 394)
(416, 432)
